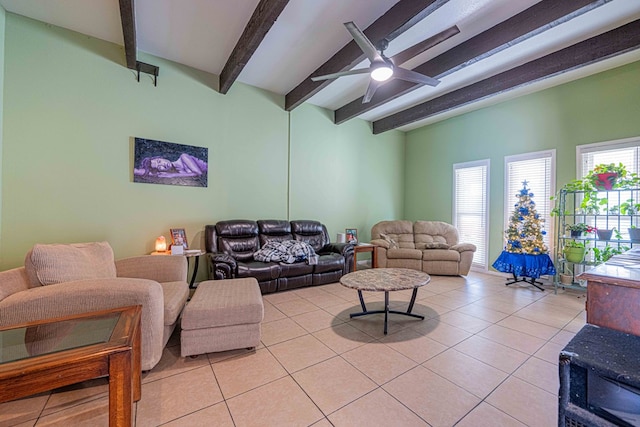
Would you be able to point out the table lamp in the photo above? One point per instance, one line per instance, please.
(161, 244)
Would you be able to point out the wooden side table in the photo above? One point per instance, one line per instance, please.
(364, 247)
(67, 350)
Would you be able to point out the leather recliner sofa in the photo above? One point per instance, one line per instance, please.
(230, 246)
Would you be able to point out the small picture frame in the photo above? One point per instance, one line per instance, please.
(179, 237)
(352, 235)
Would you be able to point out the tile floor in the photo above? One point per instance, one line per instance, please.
(486, 355)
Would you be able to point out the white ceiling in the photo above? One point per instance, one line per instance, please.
(202, 34)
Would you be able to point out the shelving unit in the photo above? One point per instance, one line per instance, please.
(601, 213)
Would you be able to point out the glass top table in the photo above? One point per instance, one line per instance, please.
(385, 280)
(47, 354)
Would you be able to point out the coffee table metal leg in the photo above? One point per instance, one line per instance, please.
(386, 310)
(413, 300)
(364, 308)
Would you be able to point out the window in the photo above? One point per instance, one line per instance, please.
(470, 201)
(538, 169)
(627, 152)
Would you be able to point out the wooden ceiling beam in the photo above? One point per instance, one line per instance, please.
(127, 16)
(528, 23)
(263, 18)
(612, 43)
(402, 16)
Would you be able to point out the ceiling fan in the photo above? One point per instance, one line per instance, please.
(383, 68)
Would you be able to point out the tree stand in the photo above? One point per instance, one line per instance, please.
(532, 281)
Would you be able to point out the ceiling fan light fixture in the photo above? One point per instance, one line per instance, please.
(381, 72)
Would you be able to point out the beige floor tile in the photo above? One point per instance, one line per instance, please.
(576, 324)
(280, 330)
(326, 300)
(322, 423)
(76, 394)
(347, 384)
(464, 321)
(172, 363)
(550, 352)
(316, 320)
(548, 314)
(435, 399)
(343, 310)
(379, 362)
(22, 410)
(280, 403)
(497, 355)
(216, 415)
(511, 338)
(528, 327)
(575, 300)
(540, 373)
(442, 286)
(485, 415)
(441, 332)
(271, 313)
(173, 397)
(279, 297)
(243, 373)
(563, 337)
(373, 325)
(414, 345)
(377, 408)
(310, 292)
(229, 354)
(294, 307)
(452, 299)
(301, 352)
(471, 374)
(342, 337)
(94, 413)
(496, 304)
(526, 403)
(482, 312)
(430, 310)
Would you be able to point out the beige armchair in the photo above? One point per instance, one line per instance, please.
(158, 283)
(429, 246)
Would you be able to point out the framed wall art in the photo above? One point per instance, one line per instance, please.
(158, 162)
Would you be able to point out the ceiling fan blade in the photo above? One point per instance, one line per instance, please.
(365, 44)
(340, 74)
(412, 76)
(371, 89)
(416, 49)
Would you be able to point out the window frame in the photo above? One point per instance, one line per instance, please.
(549, 223)
(483, 265)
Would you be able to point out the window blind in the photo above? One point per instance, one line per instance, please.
(538, 169)
(470, 201)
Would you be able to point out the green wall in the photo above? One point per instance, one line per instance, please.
(602, 107)
(71, 109)
(2, 27)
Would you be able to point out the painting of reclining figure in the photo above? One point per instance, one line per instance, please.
(158, 162)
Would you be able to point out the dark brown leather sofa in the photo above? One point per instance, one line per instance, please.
(230, 246)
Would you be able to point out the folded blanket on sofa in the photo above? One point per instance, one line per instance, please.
(287, 251)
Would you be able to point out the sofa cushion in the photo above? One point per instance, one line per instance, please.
(260, 270)
(435, 231)
(175, 297)
(440, 255)
(328, 263)
(404, 253)
(295, 269)
(57, 263)
(432, 245)
(274, 229)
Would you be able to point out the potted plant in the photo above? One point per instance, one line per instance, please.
(579, 229)
(634, 234)
(601, 255)
(605, 176)
(607, 234)
(574, 251)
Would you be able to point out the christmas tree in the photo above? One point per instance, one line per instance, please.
(526, 228)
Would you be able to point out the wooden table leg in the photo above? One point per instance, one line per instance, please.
(120, 389)
(137, 364)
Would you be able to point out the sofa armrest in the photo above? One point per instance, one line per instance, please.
(221, 266)
(462, 247)
(381, 242)
(82, 296)
(161, 268)
(337, 248)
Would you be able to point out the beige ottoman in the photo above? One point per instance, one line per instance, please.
(222, 315)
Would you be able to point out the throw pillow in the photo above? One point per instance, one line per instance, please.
(436, 245)
(392, 243)
(64, 263)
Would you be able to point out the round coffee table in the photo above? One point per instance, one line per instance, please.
(385, 280)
